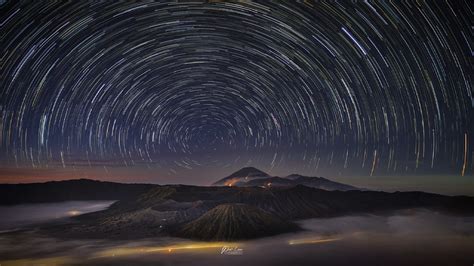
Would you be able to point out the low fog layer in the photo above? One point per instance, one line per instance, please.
(17, 216)
(407, 222)
(413, 237)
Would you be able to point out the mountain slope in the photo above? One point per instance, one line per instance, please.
(165, 209)
(243, 175)
(235, 221)
(250, 176)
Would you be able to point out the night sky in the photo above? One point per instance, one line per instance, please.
(188, 92)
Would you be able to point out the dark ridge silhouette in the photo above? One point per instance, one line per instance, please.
(86, 189)
(77, 189)
(316, 182)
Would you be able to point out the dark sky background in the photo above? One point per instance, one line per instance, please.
(370, 93)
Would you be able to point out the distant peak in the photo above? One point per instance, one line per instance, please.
(250, 168)
(243, 175)
(293, 176)
(248, 171)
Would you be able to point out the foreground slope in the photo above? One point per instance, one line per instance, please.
(235, 221)
(165, 210)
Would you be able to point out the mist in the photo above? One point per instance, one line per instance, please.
(17, 216)
(413, 237)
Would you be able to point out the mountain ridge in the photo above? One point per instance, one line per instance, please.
(251, 176)
(67, 190)
(242, 174)
(170, 209)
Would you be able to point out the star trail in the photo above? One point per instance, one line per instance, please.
(350, 87)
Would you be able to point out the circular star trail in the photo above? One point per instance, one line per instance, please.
(351, 87)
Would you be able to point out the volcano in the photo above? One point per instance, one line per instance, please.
(242, 176)
(235, 221)
(253, 177)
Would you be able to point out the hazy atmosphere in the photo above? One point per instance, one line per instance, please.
(421, 236)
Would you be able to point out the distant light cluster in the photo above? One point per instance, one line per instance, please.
(358, 86)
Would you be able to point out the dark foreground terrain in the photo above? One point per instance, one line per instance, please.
(405, 237)
(180, 210)
(246, 204)
(255, 219)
